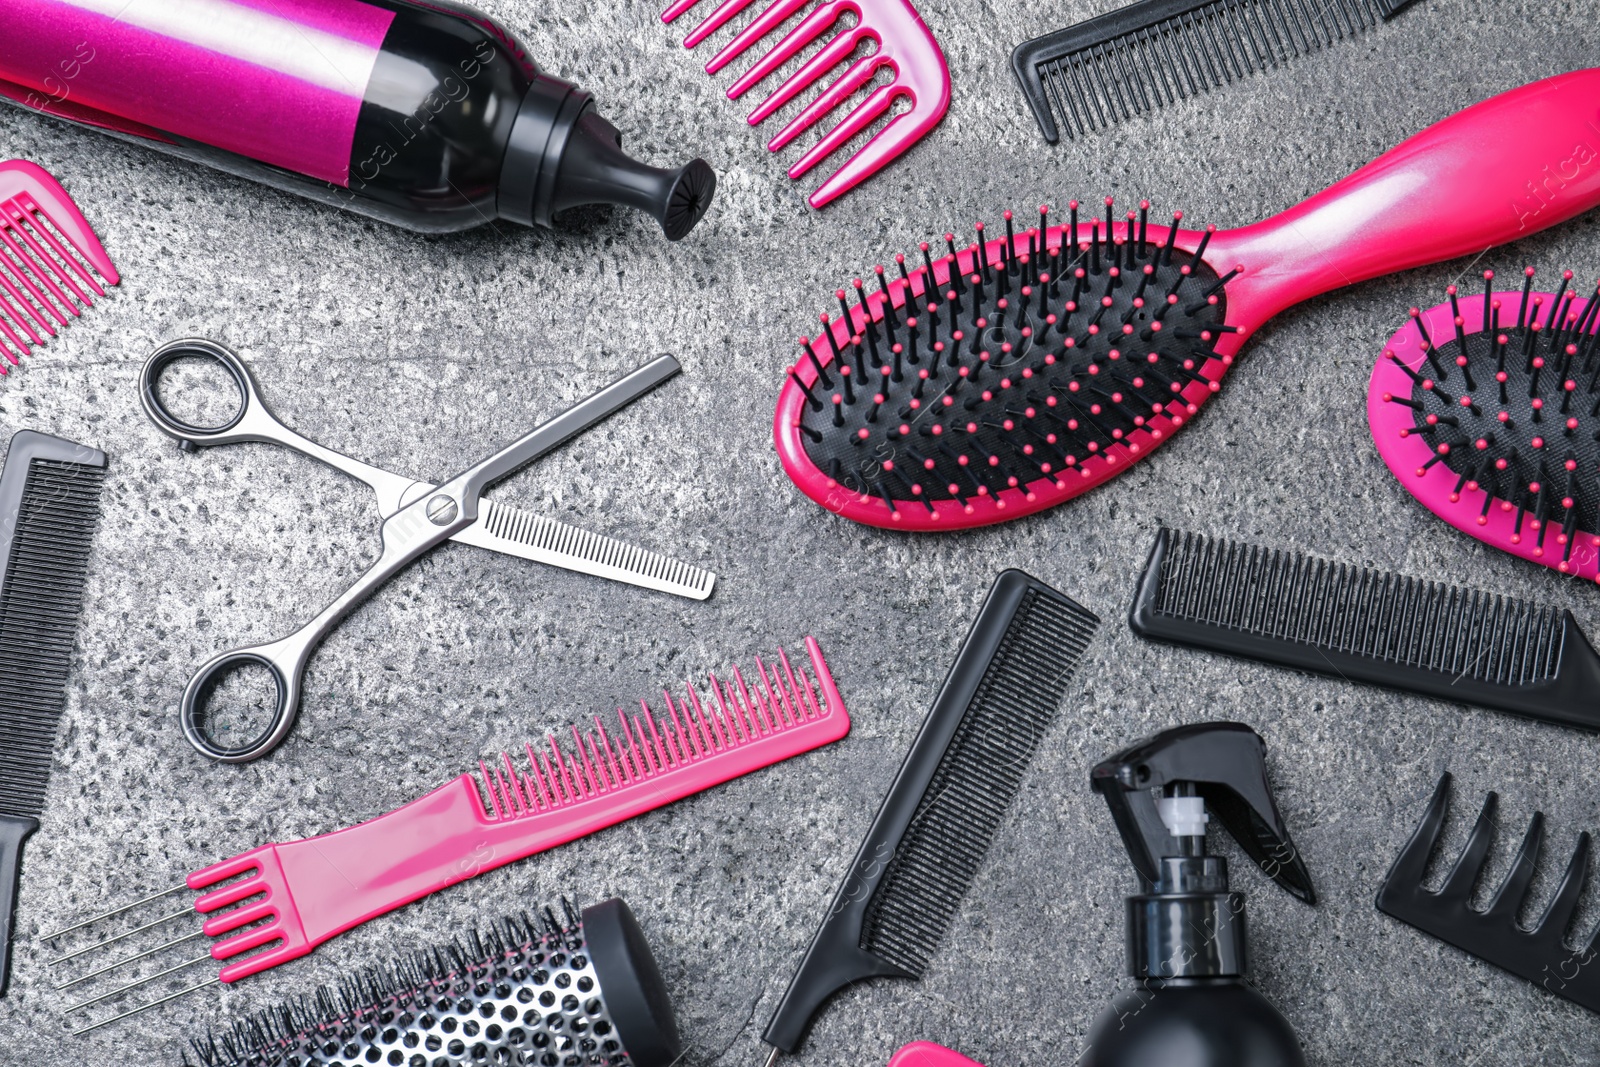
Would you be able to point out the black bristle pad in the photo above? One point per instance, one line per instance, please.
(1541, 461)
(1147, 55)
(1003, 384)
(522, 992)
(1343, 608)
(982, 769)
(39, 606)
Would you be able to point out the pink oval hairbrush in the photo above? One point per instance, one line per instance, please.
(1004, 378)
(1485, 408)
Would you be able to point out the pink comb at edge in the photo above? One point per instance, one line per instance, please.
(277, 902)
(1485, 408)
(45, 247)
(902, 43)
(927, 1054)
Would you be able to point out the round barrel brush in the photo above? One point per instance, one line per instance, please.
(976, 384)
(574, 991)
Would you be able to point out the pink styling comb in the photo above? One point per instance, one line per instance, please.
(46, 247)
(997, 380)
(1485, 408)
(280, 901)
(927, 1054)
(901, 42)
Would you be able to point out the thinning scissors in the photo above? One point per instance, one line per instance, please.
(416, 515)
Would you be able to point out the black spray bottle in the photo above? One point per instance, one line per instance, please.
(1186, 933)
(423, 113)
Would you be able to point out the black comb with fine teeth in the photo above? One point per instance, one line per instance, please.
(1366, 625)
(1157, 52)
(1540, 955)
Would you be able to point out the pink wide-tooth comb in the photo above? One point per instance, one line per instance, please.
(277, 902)
(1486, 408)
(46, 246)
(901, 42)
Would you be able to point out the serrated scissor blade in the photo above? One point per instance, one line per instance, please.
(503, 528)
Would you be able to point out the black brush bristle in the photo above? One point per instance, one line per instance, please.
(1010, 360)
(40, 600)
(1511, 405)
(1154, 53)
(1368, 625)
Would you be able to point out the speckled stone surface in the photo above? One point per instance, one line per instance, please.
(422, 354)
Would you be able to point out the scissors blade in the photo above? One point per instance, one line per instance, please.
(503, 528)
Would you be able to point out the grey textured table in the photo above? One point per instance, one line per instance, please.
(420, 354)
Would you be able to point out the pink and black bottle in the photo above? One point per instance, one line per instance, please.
(1186, 933)
(424, 114)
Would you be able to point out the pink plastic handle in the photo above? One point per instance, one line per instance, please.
(1503, 169)
(927, 1054)
(314, 889)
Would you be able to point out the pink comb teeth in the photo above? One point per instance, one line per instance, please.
(901, 42)
(42, 280)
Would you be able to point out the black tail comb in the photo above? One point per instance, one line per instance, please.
(1367, 625)
(1157, 52)
(948, 799)
(1541, 954)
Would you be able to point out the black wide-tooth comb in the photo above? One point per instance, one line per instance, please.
(1541, 954)
(49, 501)
(1366, 625)
(1157, 52)
(948, 799)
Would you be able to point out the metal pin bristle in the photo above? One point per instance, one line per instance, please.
(114, 912)
(772, 1058)
(121, 989)
(69, 983)
(169, 998)
(122, 936)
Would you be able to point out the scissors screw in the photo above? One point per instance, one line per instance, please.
(441, 510)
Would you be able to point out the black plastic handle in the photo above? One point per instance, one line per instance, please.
(14, 830)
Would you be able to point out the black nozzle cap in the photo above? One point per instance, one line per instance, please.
(563, 154)
(630, 984)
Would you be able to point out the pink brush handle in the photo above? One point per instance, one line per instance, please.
(1503, 169)
(305, 892)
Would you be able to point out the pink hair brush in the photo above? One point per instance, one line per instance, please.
(1485, 408)
(902, 44)
(1004, 378)
(46, 252)
(277, 902)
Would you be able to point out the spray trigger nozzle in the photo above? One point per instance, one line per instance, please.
(1216, 767)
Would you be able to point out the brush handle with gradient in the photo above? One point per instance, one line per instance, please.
(14, 830)
(1501, 170)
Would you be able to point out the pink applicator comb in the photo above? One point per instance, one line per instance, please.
(1486, 408)
(46, 252)
(902, 44)
(277, 902)
(990, 382)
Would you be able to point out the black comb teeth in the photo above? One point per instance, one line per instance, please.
(1541, 954)
(1366, 625)
(1010, 359)
(965, 766)
(1157, 52)
(1511, 408)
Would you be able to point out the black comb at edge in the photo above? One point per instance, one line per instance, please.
(1156, 52)
(49, 501)
(1541, 954)
(948, 798)
(1365, 625)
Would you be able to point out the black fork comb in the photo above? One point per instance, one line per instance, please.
(1541, 955)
